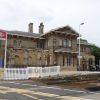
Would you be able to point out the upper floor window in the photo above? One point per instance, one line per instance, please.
(60, 42)
(65, 43)
(39, 44)
(69, 42)
(19, 43)
(54, 42)
(83, 49)
(49, 42)
(15, 42)
(88, 50)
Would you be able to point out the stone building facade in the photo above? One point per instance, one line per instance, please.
(87, 59)
(56, 47)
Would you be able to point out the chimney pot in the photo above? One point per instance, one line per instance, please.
(41, 28)
(30, 27)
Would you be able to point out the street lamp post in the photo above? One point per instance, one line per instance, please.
(79, 54)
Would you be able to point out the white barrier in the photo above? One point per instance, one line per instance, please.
(15, 73)
(30, 72)
(43, 71)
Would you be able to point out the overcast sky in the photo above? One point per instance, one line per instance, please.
(16, 14)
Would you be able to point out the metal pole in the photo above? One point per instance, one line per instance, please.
(5, 57)
(79, 52)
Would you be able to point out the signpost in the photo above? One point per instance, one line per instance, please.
(3, 36)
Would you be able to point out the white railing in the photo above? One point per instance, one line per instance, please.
(30, 72)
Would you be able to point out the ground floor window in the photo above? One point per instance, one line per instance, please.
(90, 61)
(84, 64)
(63, 60)
(66, 59)
(73, 61)
(69, 60)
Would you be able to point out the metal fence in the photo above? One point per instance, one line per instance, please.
(30, 72)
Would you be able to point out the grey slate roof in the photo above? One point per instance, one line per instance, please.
(25, 34)
(39, 35)
(84, 42)
(56, 30)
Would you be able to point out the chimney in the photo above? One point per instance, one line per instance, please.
(30, 27)
(41, 28)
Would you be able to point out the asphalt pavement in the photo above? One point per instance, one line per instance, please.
(11, 90)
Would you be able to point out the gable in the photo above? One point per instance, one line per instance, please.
(66, 29)
(63, 30)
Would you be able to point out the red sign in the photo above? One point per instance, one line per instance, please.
(2, 35)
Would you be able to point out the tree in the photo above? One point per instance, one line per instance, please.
(95, 50)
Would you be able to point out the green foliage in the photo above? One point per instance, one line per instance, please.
(95, 51)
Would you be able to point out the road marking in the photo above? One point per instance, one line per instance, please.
(58, 96)
(3, 92)
(29, 85)
(24, 92)
(35, 88)
(3, 99)
(53, 87)
(58, 88)
(72, 98)
(23, 84)
(33, 97)
(44, 94)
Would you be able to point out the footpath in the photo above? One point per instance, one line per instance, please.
(78, 73)
(72, 77)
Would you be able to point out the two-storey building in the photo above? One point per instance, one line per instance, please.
(55, 47)
(62, 44)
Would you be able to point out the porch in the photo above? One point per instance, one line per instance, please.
(66, 59)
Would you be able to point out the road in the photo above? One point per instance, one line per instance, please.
(10, 90)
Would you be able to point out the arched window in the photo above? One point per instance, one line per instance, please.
(48, 59)
(30, 60)
(17, 59)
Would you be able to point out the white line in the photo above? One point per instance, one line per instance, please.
(58, 88)
(22, 84)
(35, 88)
(54, 88)
(24, 92)
(16, 83)
(33, 97)
(29, 85)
